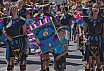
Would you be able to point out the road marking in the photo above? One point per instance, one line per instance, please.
(3, 57)
(5, 69)
(38, 69)
(81, 70)
(75, 59)
(51, 69)
(32, 57)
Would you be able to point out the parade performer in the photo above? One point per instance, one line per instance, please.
(47, 19)
(61, 51)
(80, 28)
(94, 46)
(15, 32)
(66, 20)
(47, 12)
(78, 15)
(45, 58)
(75, 19)
(79, 24)
(7, 9)
(22, 9)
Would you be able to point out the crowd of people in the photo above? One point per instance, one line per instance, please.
(77, 20)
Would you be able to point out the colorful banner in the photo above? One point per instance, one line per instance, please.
(32, 41)
(45, 34)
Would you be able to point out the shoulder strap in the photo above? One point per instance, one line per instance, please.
(22, 18)
(9, 24)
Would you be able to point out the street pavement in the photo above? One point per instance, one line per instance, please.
(74, 60)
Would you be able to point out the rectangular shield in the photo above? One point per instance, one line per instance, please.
(46, 35)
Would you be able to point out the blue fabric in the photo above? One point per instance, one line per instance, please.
(7, 52)
(28, 21)
(32, 46)
(86, 12)
(64, 41)
(2, 37)
(76, 20)
(90, 20)
(68, 28)
(81, 22)
(92, 38)
(41, 17)
(1, 25)
(16, 42)
(60, 49)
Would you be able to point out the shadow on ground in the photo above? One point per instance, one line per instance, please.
(33, 62)
(72, 51)
(74, 56)
(71, 45)
(2, 62)
(73, 64)
(1, 52)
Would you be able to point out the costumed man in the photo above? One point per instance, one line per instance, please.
(45, 58)
(80, 26)
(94, 46)
(47, 12)
(66, 20)
(15, 32)
(75, 21)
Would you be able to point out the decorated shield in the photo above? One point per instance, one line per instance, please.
(45, 34)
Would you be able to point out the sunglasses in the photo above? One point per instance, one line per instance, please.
(96, 7)
(14, 8)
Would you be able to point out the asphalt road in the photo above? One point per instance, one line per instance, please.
(74, 61)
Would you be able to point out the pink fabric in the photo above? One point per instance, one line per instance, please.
(37, 54)
(1, 19)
